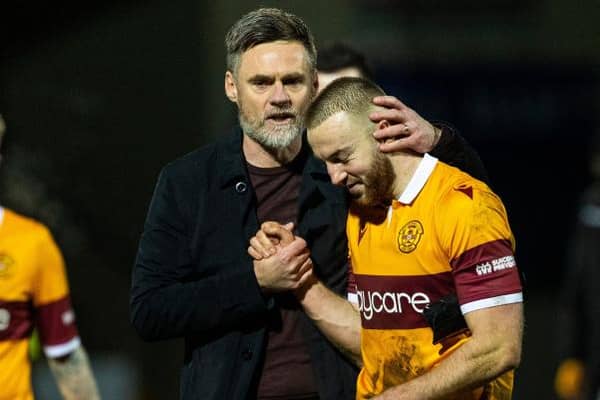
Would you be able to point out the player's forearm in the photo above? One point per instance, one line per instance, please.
(460, 372)
(74, 376)
(334, 316)
(481, 359)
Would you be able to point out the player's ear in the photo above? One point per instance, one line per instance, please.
(230, 87)
(382, 125)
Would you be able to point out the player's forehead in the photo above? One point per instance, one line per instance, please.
(333, 135)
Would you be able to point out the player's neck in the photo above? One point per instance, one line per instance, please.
(259, 156)
(405, 165)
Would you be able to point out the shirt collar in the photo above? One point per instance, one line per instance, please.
(418, 179)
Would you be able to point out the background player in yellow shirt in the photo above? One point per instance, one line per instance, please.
(34, 293)
(422, 235)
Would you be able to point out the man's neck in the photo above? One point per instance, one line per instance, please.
(259, 156)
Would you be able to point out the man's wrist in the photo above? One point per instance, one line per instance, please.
(443, 135)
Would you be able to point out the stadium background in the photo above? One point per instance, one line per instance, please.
(98, 95)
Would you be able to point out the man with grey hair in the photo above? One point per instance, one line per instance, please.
(428, 244)
(245, 333)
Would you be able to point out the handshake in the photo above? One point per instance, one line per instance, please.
(281, 259)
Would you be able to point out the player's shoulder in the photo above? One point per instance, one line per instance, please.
(20, 224)
(462, 191)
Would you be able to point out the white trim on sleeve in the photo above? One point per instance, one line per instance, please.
(492, 302)
(63, 349)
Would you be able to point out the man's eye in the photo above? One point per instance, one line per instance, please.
(340, 160)
(293, 82)
(260, 83)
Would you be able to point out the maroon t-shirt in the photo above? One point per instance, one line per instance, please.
(287, 371)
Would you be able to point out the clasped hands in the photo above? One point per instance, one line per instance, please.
(281, 260)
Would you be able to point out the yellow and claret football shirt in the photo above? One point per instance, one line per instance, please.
(447, 233)
(33, 292)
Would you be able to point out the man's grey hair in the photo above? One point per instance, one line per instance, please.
(263, 26)
(351, 95)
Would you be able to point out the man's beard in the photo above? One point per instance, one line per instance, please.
(379, 186)
(274, 137)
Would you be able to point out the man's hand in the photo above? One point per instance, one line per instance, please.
(406, 129)
(269, 238)
(281, 260)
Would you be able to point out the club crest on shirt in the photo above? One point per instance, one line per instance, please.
(6, 263)
(409, 236)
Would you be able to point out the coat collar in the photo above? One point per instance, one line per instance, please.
(233, 162)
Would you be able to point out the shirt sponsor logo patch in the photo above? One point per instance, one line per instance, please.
(410, 236)
(370, 303)
(397, 302)
(498, 264)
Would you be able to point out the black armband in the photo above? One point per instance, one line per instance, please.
(445, 318)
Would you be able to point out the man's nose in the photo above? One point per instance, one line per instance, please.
(336, 173)
(280, 96)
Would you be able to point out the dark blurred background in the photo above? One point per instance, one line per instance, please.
(98, 95)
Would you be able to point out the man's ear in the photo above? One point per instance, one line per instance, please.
(230, 87)
(316, 84)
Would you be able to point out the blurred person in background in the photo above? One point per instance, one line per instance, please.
(578, 375)
(337, 60)
(34, 293)
(428, 245)
(245, 333)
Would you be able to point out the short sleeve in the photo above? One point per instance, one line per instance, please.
(480, 247)
(54, 314)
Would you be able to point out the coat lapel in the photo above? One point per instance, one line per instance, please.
(235, 182)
